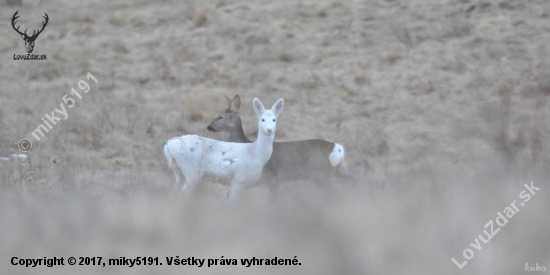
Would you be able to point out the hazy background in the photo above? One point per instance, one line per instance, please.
(441, 106)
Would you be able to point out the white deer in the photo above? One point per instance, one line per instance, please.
(241, 164)
(314, 159)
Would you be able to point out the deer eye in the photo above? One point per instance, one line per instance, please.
(273, 120)
(263, 120)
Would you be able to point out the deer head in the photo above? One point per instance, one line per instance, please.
(228, 119)
(29, 40)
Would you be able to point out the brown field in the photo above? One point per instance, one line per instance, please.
(442, 107)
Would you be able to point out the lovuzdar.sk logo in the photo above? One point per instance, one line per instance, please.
(29, 40)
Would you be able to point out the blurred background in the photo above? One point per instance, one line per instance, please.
(441, 106)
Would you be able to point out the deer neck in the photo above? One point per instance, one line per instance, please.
(237, 134)
(264, 147)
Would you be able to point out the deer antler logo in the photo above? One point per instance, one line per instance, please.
(29, 40)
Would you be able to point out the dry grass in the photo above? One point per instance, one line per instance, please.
(441, 105)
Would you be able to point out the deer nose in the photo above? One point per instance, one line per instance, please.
(269, 130)
(209, 128)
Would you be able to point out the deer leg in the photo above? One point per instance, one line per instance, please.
(234, 191)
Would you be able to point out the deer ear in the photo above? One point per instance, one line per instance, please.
(278, 107)
(258, 107)
(228, 101)
(235, 103)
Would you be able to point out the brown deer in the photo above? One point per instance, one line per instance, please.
(314, 159)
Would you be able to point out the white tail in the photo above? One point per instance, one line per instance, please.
(314, 159)
(192, 156)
